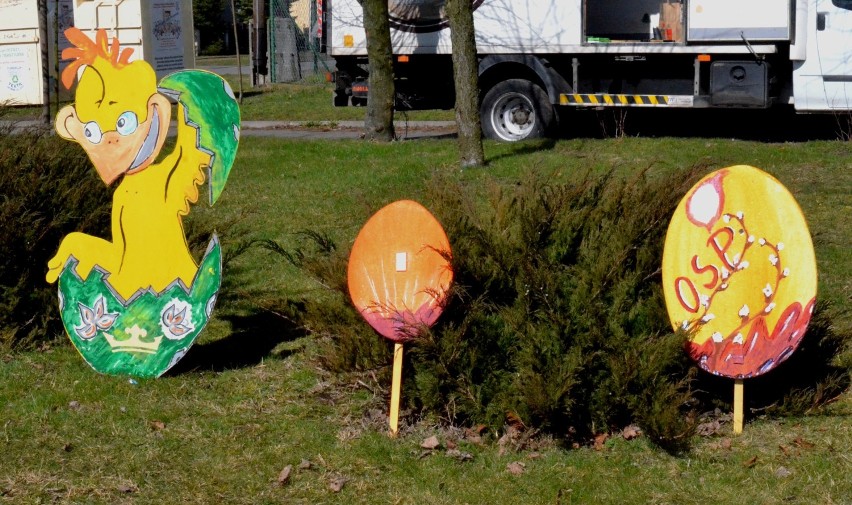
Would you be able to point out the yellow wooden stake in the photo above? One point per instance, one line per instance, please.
(396, 386)
(738, 406)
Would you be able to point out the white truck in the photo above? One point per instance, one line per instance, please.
(537, 58)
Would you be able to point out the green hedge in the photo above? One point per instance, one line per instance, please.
(48, 189)
(556, 318)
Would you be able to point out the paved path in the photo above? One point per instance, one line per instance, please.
(306, 68)
(311, 130)
(410, 130)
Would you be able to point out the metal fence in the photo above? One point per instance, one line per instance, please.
(294, 31)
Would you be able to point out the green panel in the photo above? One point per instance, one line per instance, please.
(141, 337)
(211, 107)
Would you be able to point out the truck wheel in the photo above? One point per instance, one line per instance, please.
(516, 109)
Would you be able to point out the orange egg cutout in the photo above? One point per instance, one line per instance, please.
(399, 269)
(739, 272)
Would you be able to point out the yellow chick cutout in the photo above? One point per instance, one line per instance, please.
(121, 119)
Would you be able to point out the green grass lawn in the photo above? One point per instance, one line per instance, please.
(223, 60)
(248, 400)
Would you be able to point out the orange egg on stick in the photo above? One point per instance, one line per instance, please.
(399, 275)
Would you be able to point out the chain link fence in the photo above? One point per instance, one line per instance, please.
(295, 31)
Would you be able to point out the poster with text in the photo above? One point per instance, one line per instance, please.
(167, 39)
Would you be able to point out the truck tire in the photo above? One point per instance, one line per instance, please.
(516, 109)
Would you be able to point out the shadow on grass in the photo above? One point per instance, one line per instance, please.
(776, 125)
(414, 135)
(253, 338)
(526, 147)
(248, 93)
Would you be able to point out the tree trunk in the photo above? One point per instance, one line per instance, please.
(378, 124)
(45, 61)
(259, 65)
(237, 44)
(466, 77)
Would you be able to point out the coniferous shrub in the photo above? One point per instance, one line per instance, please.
(556, 316)
(566, 278)
(346, 342)
(48, 189)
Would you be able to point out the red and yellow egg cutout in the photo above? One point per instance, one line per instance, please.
(739, 272)
(399, 270)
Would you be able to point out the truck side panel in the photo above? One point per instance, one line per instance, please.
(711, 20)
(539, 54)
(502, 26)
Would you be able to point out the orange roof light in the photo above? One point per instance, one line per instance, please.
(402, 58)
(704, 57)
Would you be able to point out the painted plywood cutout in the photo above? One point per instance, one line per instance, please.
(739, 271)
(399, 269)
(135, 303)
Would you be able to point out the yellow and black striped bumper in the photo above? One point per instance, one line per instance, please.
(607, 100)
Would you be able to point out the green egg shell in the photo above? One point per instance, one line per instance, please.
(148, 334)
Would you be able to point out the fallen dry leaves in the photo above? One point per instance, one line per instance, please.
(284, 476)
(474, 435)
(600, 440)
(127, 488)
(516, 467)
(430, 443)
(709, 428)
(802, 443)
(516, 439)
(459, 455)
(631, 432)
(783, 472)
(336, 483)
(515, 421)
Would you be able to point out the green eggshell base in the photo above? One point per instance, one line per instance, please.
(149, 333)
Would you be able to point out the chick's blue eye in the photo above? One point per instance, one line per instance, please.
(92, 132)
(127, 123)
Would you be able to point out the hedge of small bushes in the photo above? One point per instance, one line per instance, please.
(556, 318)
(48, 189)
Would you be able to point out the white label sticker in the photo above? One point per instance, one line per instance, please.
(401, 262)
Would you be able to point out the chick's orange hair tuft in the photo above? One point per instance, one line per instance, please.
(85, 52)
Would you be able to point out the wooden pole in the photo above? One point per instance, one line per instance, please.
(45, 61)
(396, 386)
(56, 55)
(237, 45)
(738, 406)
